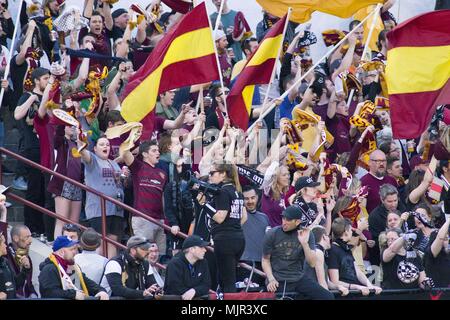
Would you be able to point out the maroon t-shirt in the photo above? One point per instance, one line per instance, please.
(339, 127)
(153, 126)
(225, 67)
(148, 187)
(374, 184)
(321, 110)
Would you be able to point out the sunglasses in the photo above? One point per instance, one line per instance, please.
(71, 227)
(226, 92)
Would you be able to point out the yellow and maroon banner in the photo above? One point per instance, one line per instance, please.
(418, 72)
(258, 70)
(185, 56)
(303, 9)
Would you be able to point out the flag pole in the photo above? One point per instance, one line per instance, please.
(369, 36)
(213, 32)
(219, 16)
(277, 58)
(273, 104)
(11, 51)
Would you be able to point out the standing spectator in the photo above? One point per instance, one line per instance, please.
(228, 22)
(89, 260)
(188, 272)
(6, 23)
(437, 256)
(120, 17)
(273, 200)
(378, 217)
(61, 278)
(25, 112)
(399, 270)
(375, 178)
(139, 282)
(20, 261)
(226, 64)
(323, 244)
(217, 114)
(7, 279)
(342, 267)
(164, 108)
(227, 215)
(287, 249)
(424, 228)
(148, 183)
(254, 230)
(103, 175)
(72, 231)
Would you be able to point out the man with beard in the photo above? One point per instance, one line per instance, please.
(61, 278)
(286, 249)
(20, 260)
(376, 178)
(188, 273)
(128, 275)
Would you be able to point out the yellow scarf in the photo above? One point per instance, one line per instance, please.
(77, 271)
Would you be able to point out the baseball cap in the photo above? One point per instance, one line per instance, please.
(292, 213)
(39, 72)
(63, 242)
(303, 182)
(194, 241)
(141, 242)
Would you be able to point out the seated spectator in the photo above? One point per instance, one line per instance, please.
(62, 278)
(7, 279)
(342, 268)
(153, 258)
(89, 260)
(72, 231)
(140, 282)
(187, 274)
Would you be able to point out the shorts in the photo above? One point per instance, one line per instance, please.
(71, 192)
(114, 225)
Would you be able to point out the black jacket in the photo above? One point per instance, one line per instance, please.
(137, 277)
(7, 279)
(181, 276)
(50, 285)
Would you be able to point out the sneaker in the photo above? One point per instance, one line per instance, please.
(20, 184)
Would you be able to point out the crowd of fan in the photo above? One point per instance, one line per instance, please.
(333, 205)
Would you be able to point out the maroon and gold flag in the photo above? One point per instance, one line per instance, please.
(418, 72)
(258, 70)
(185, 56)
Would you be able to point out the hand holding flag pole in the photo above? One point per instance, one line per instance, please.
(309, 71)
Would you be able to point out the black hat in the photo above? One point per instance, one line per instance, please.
(194, 241)
(90, 240)
(118, 12)
(294, 212)
(303, 182)
(39, 72)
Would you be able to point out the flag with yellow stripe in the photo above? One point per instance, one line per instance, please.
(378, 27)
(258, 70)
(418, 72)
(303, 9)
(185, 56)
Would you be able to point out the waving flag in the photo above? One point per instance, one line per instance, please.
(185, 56)
(258, 70)
(418, 72)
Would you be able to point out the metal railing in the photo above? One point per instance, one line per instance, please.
(103, 199)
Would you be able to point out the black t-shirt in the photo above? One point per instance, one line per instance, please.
(437, 268)
(232, 201)
(116, 33)
(402, 272)
(340, 257)
(17, 75)
(31, 140)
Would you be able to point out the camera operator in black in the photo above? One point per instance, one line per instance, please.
(227, 213)
(179, 205)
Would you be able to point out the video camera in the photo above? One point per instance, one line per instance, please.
(195, 184)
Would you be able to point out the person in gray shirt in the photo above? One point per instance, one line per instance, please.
(286, 249)
(254, 230)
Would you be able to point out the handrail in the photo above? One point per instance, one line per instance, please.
(102, 196)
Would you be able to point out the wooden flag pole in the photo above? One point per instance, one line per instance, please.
(273, 104)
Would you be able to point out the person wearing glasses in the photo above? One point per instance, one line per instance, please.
(375, 178)
(216, 115)
(227, 214)
(128, 275)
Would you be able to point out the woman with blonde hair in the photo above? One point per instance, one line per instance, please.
(227, 214)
